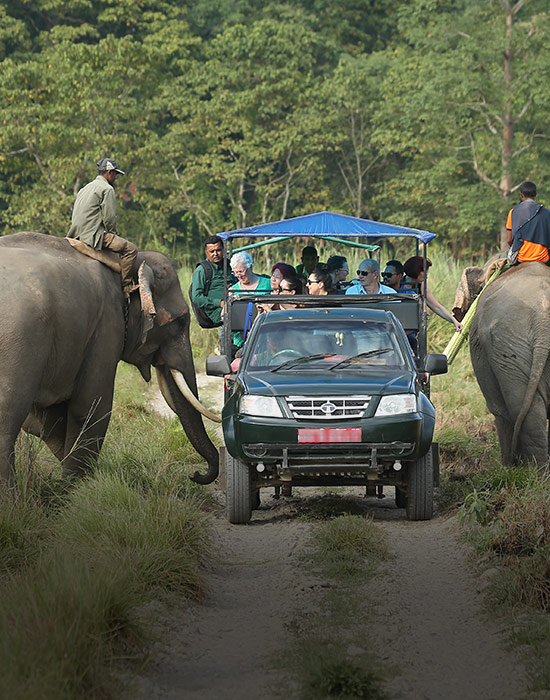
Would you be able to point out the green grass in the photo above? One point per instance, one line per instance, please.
(22, 527)
(328, 671)
(506, 518)
(348, 546)
(330, 655)
(77, 564)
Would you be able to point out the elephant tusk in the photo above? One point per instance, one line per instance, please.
(188, 394)
(165, 391)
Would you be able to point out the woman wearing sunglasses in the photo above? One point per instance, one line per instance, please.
(319, 283)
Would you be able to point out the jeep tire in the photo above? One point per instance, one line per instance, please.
(238, 494)
(420, 492)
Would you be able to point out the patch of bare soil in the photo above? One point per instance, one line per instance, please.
(431, 623)
(429, 626)
(226, 647)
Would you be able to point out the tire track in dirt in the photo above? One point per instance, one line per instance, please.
(227, 647)
(431, 624)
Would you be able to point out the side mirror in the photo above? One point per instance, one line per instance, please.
(217, 366)
(436, 363)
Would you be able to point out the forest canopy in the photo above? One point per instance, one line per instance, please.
(428, 113)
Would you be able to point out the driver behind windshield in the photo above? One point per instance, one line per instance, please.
(371, 343)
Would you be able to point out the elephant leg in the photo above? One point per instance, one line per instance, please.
(505, 430)
(84, 439)
(88, 416)
(12, 415)
(51, 426)
(490, 388)
(8, 435)
(533, 436)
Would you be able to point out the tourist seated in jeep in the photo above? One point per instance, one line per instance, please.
(369, 280)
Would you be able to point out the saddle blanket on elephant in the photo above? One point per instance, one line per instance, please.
(111, 259)
(106, 257)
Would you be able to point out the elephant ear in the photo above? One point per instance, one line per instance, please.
(146, 281)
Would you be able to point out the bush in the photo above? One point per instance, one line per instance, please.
(23, 526)
(166, 536)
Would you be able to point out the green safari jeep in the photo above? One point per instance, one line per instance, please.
(328, 393)
(330, 396)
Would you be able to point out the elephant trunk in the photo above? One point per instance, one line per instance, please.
(191, 421)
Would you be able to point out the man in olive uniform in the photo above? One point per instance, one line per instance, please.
(207, 290)
(94, 219)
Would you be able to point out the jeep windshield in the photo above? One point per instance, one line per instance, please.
(326, 344)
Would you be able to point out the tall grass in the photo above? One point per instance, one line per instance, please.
(78, 563)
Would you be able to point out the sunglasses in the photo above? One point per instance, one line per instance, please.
(282, 290)
(388, 274)
(366, 272)
(312, 282)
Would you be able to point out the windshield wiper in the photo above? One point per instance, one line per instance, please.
(300, 360)
(361, 356)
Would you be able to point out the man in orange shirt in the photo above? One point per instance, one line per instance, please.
(528, 227)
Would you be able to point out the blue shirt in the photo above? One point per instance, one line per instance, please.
(358, 288)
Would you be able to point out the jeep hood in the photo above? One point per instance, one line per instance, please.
(325, 383)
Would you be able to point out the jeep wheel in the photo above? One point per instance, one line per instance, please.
(238, 494)
(420, 496)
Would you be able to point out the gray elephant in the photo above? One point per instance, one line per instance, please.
(510, 346)
(63, 334)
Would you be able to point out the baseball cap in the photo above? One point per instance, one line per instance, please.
(106, 164)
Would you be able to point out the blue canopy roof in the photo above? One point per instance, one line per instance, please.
(327, 223)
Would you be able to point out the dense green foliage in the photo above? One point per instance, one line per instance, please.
(424, 112)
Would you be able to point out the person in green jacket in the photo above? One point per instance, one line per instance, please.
(94, 220)
(210, 296)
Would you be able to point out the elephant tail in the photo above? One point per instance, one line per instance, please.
(540, 357)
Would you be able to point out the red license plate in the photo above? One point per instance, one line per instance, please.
(312, 435)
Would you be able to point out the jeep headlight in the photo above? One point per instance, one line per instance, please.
(396, 404)
(267, 406)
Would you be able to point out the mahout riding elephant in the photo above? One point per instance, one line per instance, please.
(510, 346)
(63, 333)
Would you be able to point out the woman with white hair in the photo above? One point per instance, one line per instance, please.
(247, 280)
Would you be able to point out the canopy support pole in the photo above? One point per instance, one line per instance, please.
(352, 244)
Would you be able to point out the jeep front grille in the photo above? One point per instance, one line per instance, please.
(328, 408)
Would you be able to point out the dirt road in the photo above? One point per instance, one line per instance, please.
(429, 624)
